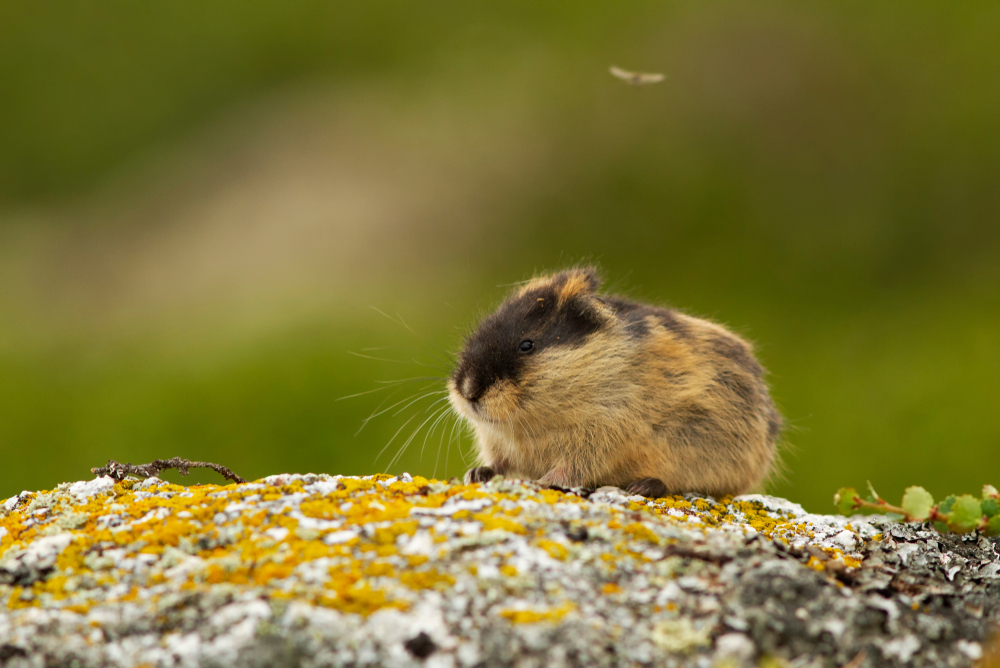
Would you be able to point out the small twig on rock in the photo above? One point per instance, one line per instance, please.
(120, 471)
(857, 660)
(691, 553)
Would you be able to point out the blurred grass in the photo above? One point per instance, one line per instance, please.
(822, 178)
(88, 88)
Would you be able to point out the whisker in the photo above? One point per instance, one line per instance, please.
(465, 454)
(437, 457)
(438, 414)
(423, 396)
(430, 431)
(439, 348)
(403, 323)
(451, 437)
(529, 428)
(527, 423)
(377, 389)
(448, 360)
(402, 448)
(404, 380)
(509, 420)
(523, 425)
(360, 394)
(394, 437)
(381, 312)
(364, 423)
(414, 360)
(421, 389)
(442, 369)
(507, 285)
(377, 359)
(405, 445)
(386, 410)
(434, 403)
(434, 426)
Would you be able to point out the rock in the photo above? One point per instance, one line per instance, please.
(318, 570)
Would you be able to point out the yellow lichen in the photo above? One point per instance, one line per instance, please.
(261, 547)
(555, 550)
(641, 532)
(533, 616)
(429, 579)
(492, 522)
(267, 572)
(380, 568)
(362, 600)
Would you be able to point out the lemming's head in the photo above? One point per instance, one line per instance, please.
(528, 357)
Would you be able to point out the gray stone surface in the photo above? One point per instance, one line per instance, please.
(319, 570)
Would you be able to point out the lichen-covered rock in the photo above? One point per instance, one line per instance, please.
(317, 570)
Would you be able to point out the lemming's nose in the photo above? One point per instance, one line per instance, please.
(470, 389)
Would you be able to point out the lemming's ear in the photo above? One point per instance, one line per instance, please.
(567, 284)
(575, 282)
(589, 277)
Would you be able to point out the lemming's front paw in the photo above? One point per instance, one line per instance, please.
(479, 474)
(651, 488)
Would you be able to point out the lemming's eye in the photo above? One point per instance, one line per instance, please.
(526, 346)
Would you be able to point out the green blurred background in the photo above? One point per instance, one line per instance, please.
(199, 204)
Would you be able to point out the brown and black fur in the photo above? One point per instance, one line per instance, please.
(613, 392)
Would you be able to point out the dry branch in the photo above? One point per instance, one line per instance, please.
(119, 471)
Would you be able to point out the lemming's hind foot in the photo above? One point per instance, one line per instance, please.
(651, 488)
(480, 474)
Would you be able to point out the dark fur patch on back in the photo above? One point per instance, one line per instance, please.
(631, 314)
(672, 323)
(674, 375)
(738, 385)
(735, 350)
(696, 422)
(636, 316)
(774, 422)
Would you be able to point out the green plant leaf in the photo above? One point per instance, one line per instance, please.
(917, 502)
(965, 514)
(993, 526)
(945, 506)
(991, 507)
(990, 491)
(845, 500)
